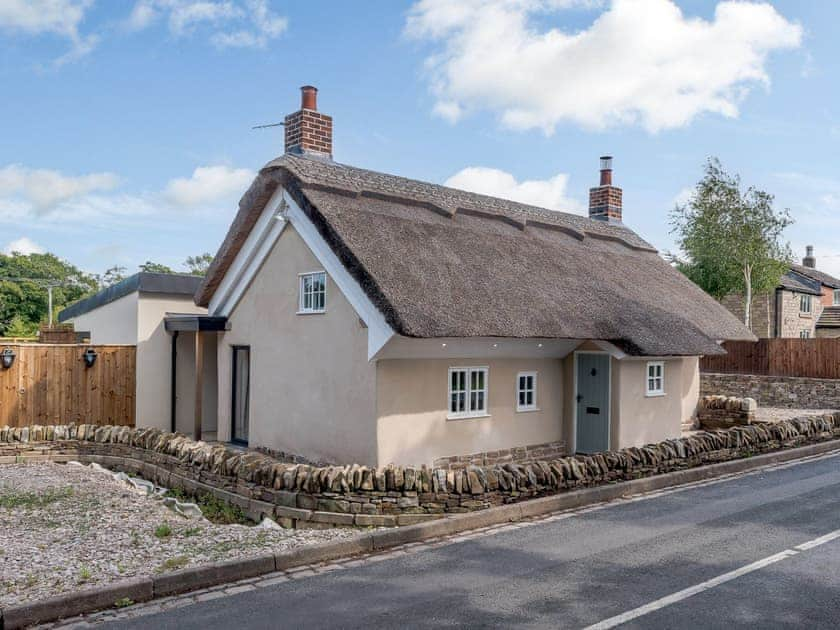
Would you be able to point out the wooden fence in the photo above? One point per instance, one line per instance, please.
(811, 358)
(50, 383)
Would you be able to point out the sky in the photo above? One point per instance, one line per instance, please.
(126, 125)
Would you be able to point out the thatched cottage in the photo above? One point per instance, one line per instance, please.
(360, 316)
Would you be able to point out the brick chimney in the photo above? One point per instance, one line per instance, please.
(605, 199)
(308, 131)
(809, 260)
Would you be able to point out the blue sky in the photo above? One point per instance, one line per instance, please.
(126, 125)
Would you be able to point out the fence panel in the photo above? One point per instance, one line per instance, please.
(50, 384)
(808, 358)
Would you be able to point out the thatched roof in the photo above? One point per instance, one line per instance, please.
(440, 262)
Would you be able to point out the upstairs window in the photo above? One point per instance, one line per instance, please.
(467, 392)
(836, 297)
(804, 303)
(655, 379)
(313, 292)
(526, 391)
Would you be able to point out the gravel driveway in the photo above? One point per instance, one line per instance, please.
(67, 528)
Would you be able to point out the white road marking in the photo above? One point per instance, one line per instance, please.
(662, 602)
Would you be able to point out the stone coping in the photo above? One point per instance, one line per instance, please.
(144, 589)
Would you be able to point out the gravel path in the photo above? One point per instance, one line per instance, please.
(66, 528)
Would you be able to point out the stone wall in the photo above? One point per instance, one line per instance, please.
(298, 495)
(775, 391)
(517, 455)
(724, 412)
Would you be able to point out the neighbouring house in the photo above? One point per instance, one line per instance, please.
(132, 312)
(806, 304)
(358, 316)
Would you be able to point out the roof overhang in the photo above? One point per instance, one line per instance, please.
(176, 322)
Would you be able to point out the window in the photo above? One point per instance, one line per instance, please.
(804, 334)
(467, 392)
(836, 297)
(313, 292)
(526, 391)
(655, 379)
(804, 303)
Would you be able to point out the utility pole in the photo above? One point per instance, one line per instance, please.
(49, 302)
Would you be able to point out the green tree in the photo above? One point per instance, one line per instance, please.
(153, 267)
(198, 265)
(732, 237)
(23, 287)
(112, 276)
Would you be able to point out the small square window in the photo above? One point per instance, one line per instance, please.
(526, 391)
(467, 392)
(804, 334)
(313, 292)
(655, 379)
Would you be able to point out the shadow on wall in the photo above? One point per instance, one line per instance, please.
(54, 384)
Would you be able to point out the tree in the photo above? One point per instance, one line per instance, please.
(113, 275)
(153, 267)
(732, 238)
(198, 265)
(23, 288)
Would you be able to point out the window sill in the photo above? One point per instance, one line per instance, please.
(806, 315)
(469, 417)
(528, 410)
(310, 312)
(655, 395)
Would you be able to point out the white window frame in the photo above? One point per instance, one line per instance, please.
(805, 299)
(804, 334)
(302, 310)
(468, 392)
(650, 381)
(836, 297)
(533, 390)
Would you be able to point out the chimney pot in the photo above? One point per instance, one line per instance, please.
(606, 170)
(809, 260)
(309, 98)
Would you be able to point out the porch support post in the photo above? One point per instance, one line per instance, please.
(199, 382)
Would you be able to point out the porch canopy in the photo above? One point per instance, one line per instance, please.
(197, 324)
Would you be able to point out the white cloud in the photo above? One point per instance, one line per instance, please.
(243, 24)
(640, 62)
(208, 184)
(23, 245)
(54, 17)
(45, 189)
(545, 193)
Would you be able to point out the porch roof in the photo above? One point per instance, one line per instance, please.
(193, 322)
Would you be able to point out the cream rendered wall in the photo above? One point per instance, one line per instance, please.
(312, 388)
(638, 419)
(412, 405)
(154, 359)
(185, 386)
(113, 323)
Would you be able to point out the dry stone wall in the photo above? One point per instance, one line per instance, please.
(300, 495)
(723, 412)
(775, 391)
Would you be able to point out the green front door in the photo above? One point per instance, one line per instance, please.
(592, 403)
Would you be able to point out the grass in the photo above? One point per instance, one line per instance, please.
(214, 509)
(164, 530)
(84, 575)
(123, 602)
(191, 531)
(172, 564)
(11, 498)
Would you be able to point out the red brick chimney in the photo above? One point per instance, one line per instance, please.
(605, 199)
(308, 131)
